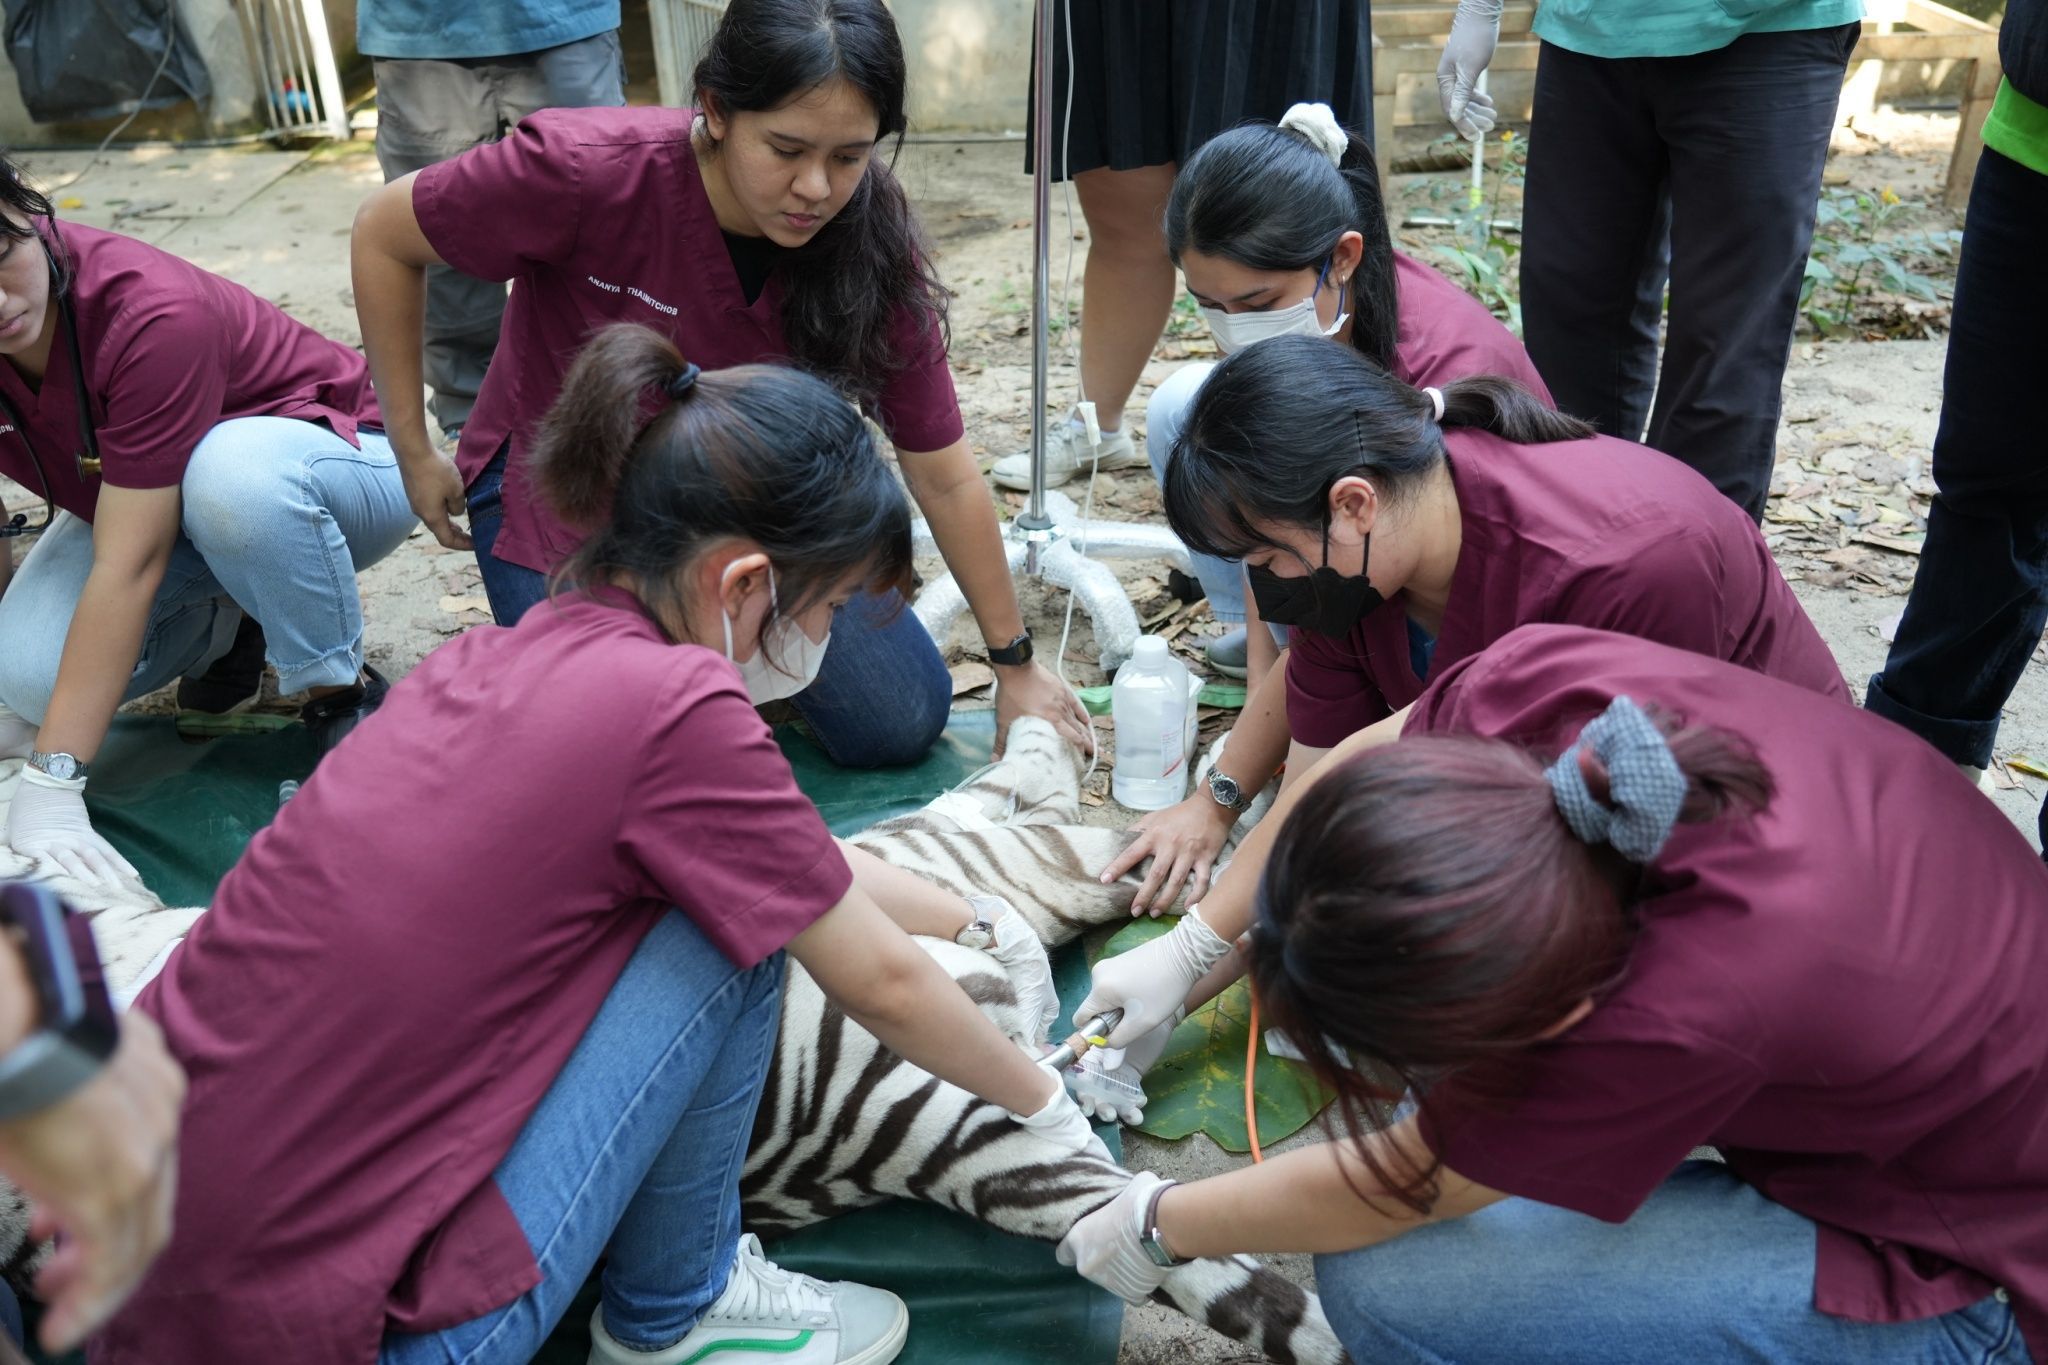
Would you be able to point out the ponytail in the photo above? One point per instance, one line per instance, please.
(1276, 424)
(844, 289)
(1427, 912)
(1270, 198)
(660, 461)
(1496, 404)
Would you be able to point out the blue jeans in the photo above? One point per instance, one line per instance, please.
(279, 516)
(1708, 1270)
(1166, 413)
(634, 1154)
(1980, 596)
(881, 700)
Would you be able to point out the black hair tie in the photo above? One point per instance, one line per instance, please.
(685, 380)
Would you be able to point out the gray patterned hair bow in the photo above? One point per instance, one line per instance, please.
(1646, 787)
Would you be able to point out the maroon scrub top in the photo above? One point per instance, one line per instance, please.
(599, 216)
(1600, 533)
(1446, 334)
(394, 973)
(1844, 993)
(170, 352)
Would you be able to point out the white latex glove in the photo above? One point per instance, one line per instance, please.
(1024, 960)
(1128, 1065)
(47, 822)
(1104, 1246)
(1151, 982)
(1475, 31)
(17, 736)
(1061, 1120)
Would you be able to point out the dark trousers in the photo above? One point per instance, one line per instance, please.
(1703, 171)
(430, 111)
(1980, 597)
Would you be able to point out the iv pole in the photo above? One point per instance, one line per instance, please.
(1041, 538)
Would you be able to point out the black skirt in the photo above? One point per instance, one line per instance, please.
(1158, 78)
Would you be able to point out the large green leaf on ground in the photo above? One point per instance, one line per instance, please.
(1197, 1085)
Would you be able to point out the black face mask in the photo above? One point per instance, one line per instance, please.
(1326, 602)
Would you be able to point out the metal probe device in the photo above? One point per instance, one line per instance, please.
(1094, 1035)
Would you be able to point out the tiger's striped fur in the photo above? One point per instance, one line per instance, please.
(845, 1123)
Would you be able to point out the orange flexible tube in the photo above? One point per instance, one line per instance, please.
(1251, 1062)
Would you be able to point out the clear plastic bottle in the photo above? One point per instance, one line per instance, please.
(1152, 705)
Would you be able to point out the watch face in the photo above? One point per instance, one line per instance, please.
(1224, 788)
(63, 767)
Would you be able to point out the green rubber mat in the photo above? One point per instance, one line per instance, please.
(183, 810)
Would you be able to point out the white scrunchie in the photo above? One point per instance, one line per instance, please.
(1316, 123)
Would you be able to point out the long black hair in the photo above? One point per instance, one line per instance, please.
(1269, 199)
(23, 200)
(1277, 423)
(761, 451)
(845, 286)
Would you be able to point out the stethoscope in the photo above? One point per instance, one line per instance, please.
(88, 457)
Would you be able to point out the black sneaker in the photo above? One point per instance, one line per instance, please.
(234, 681)
(331, 717)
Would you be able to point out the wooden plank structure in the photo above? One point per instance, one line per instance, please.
(1408, 38)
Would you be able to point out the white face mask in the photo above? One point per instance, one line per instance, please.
(1235, 331)
(783, 641)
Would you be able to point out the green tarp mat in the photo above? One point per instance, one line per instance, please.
(182, 810)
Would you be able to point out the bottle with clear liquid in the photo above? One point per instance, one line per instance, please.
(1152, 704)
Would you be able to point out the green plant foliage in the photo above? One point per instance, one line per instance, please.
(1850, 261)
(1485, 259)
(1230, 696)
(1197, 1085)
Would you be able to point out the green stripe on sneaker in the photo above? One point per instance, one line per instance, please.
(780, 1348)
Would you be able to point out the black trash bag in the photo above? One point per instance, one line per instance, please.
(93, 59)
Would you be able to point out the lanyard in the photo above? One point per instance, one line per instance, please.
(87, 456)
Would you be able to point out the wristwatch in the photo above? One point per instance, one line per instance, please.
(1018, 651)
(1226, 793)
(1148, 1236)
(63, 767)
(76, 1030)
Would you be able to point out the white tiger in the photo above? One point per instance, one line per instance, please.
(844, 1123)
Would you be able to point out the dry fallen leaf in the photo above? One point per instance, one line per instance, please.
(467, 602)
(970, 675)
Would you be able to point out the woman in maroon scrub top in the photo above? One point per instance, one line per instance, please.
(204, 464)
(761, 227)
(429, 1089)
(1398, 530)
(1734, 913)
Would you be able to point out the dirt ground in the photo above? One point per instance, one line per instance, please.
(1851, 494)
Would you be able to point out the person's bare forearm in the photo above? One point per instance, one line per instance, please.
(1229, 907)
(1303, 1201)
(390, 282)
(99, 658)
(922, 1015)
(919, 906)
(1259, 740)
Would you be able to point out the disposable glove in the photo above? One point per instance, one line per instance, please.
(1104, 1246)
(17, 736)
(1024, 961)
(1061, 1120)
(1150, 983)
(47, 822)
(1475, 32)
(1128, 1065)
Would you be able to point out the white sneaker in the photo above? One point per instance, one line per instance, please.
(767, 1312)
(1067, 453)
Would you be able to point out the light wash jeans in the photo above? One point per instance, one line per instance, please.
(1707, 1271)
(881, 700)
(634, 1154)
(1166, 412)
(279, 516)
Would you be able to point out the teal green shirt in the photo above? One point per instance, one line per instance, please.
(1678, 28)
(2017, 127)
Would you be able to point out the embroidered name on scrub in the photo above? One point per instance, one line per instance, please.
(656, 304)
